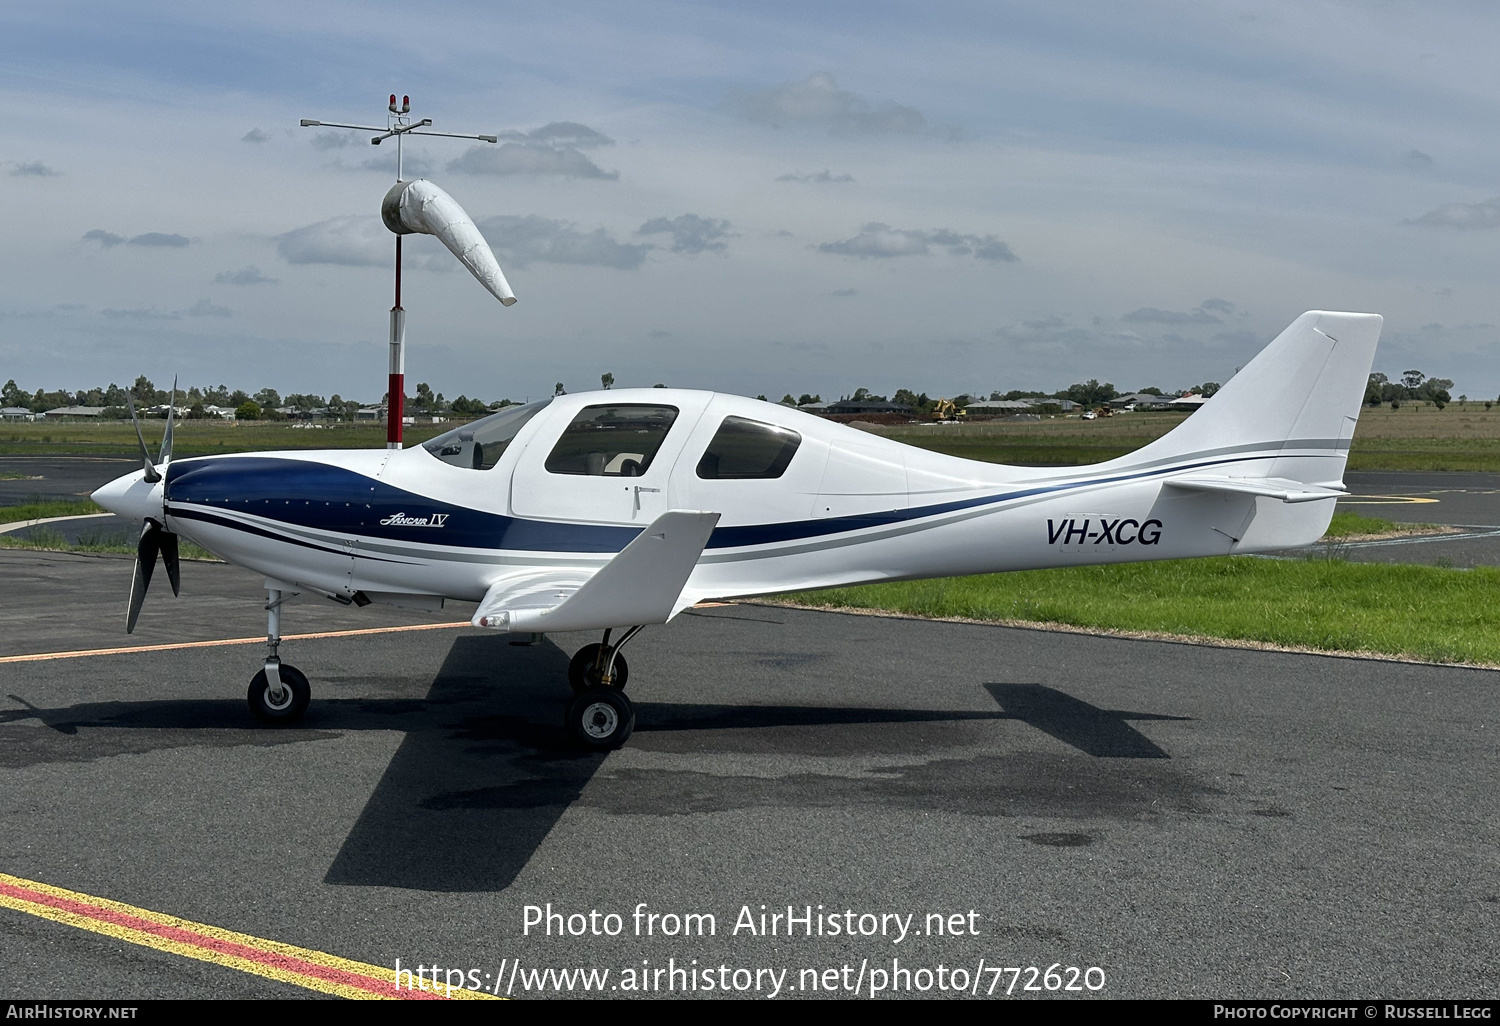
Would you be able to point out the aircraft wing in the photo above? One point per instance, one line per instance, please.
(641, 585)
(1271, 487)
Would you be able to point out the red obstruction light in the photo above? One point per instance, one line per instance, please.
(393, 103)
(405, 104)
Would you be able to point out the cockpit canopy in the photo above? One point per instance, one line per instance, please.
(480, 444)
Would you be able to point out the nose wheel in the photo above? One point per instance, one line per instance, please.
(282, 704)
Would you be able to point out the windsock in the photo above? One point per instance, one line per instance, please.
(421, 207)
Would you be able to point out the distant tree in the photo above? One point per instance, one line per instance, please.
(1487, 405)
(1412, 379)
(143, 391)
(1375, 389)
(247, 410)
(197, 412)
(1089, 393)
(559, 390)
(11, 394)
(1149, 390)
(1463, 400)
(1395, 404)
(1206, 390)
(804, 399)
(658, 385)
(607, 380)
(268, 399)
(238, 398)
(787, 400)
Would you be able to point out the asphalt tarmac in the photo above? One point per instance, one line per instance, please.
(1193, 821)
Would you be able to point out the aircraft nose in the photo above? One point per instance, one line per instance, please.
(131, 496)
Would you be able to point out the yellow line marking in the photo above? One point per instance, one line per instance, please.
(39, 657)
(286, 963)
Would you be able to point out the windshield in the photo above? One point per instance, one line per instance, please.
(479, 445)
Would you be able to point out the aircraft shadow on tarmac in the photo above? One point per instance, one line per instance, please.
(486, 771)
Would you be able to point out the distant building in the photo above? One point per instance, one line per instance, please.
(92, 412)
(848, 406)
(16, 413)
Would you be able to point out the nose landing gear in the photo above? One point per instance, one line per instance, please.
(278, 693)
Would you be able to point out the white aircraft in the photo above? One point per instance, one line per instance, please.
(610, 511)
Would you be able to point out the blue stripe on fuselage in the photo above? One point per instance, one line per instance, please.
(329, 498)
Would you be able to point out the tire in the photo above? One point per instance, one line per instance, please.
(290, 710)
(582, 673)
(601, 719)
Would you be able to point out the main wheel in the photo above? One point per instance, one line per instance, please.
(601, 718)
(584, 672)
(282, 709)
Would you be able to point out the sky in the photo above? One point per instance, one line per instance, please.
(757, 198)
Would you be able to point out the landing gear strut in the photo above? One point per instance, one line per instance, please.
(600, 664)
(278, 693)
(601, 717)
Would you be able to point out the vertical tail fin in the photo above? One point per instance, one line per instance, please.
(1290, 412)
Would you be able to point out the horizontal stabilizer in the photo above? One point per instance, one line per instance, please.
(1271, 487)
(641, 585)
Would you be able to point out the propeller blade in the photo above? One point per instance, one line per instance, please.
(151, 475)
(166, 438)
(145, 562)
(169, 560)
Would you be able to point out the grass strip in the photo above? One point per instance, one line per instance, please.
(1329, 605)
(40, 509)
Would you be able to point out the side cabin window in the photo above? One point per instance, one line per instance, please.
(618, 440)
(479, 446)
(745, 450)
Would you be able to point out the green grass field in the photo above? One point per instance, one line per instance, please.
(1321, 604)
(1415, 437)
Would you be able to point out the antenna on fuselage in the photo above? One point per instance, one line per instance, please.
(399, 125)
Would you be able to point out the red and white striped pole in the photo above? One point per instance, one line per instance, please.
(395, 403)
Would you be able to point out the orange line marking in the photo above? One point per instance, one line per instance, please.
(39, 657)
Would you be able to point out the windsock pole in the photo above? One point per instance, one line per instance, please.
(396, 388)
(398, 126)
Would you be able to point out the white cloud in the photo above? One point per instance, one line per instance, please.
(350, 240)
(1463, 215)
(559, 134)
(522, 240)
(244, 276)
(148, 239)
(881, 240)
(203, 308)
(255, 135)
(32, 169)
(519, 159)
(690, 233)
(821, 177)
(818, 101)
(1151, 315)
(335, 140)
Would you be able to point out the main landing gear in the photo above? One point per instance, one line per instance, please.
(601, 718)
(279, 693)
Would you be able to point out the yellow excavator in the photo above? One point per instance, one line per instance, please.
(946, 409)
